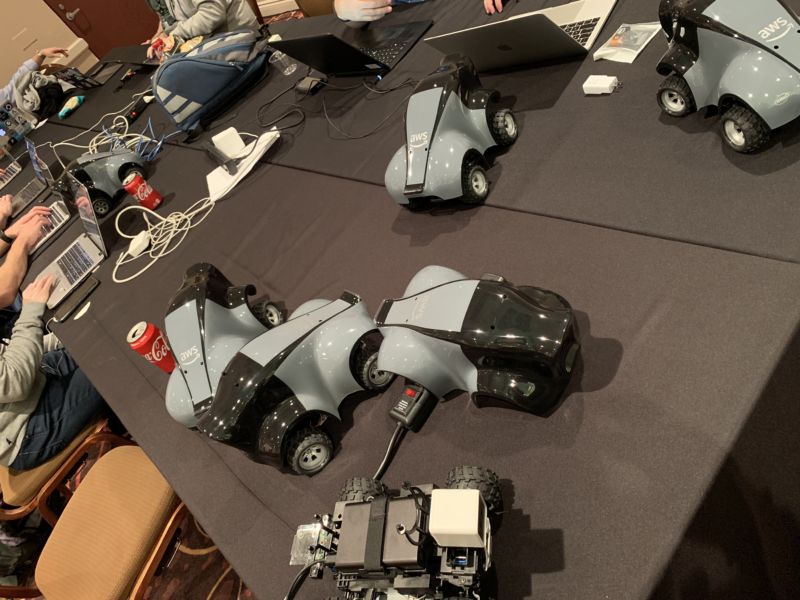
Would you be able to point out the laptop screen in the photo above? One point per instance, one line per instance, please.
(83, 204)
(40, 167)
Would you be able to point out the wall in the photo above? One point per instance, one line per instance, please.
(30, 26)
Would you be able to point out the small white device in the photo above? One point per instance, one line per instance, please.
(458, 518)
(597, 85)
(229, 142)
(220, 181)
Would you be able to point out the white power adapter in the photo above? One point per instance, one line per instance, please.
(229, 142)
(139, 244)
(596, 85)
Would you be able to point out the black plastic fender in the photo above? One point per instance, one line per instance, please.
(678, 59)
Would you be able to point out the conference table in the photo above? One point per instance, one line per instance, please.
(678, 257)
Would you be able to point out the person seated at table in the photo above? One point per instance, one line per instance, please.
(45, 399)
(32, 64)
(362, 11)
(16, 241)
(186, 19)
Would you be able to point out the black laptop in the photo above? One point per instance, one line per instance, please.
(370, 51)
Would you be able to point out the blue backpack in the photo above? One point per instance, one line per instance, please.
(195, 86)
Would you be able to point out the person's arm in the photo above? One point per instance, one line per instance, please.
(5, 210)
(208, 18)
(20, 360)
(13, 269)
(38, 214)
(32, 64)
(361, 11)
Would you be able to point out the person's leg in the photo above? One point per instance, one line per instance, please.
(67, 405)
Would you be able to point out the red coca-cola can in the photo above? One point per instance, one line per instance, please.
(147, 339)
(144, 193)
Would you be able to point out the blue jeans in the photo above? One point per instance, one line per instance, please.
(67, 405)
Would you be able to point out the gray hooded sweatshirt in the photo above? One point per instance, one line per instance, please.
(21, 379)
(206, 17)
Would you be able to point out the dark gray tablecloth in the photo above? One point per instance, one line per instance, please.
(679, 342)
(611, 161)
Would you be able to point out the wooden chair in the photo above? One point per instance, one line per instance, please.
(315, 8)
(254, 5)
(25, 491)
(112, 536)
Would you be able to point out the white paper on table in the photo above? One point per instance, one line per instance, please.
(220, 182)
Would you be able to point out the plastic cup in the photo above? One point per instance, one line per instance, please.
(283, 63)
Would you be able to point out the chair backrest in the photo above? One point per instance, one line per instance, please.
(254, 5)
(315, 8)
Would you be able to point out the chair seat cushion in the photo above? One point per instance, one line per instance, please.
(20, 487)
(107, 531)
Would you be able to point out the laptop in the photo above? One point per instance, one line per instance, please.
(83, 255)
(557, 32)
(374, 50)
(134, 55)
(42, 180)
(11, 168)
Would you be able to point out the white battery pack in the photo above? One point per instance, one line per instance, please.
(457, 518)
(597, 85)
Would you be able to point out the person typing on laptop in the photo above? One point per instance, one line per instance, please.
(16, 242)
(46, 399)
(363, 11)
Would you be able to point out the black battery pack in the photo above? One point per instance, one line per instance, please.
(413, 407)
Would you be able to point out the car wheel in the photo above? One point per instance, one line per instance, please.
(267, 313)
(504, 127)
(309, 451)
(474, 182)
(369, 375)
(478, 478)
(101, 206)
(743, 130)
(675, 97)
(359, 489)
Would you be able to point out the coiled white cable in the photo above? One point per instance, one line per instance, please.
(165, 234)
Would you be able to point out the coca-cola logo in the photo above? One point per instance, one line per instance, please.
(159, 351)
(144, 191)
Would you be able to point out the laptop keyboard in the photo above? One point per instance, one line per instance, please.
(75, 263)
(387, 54)
(581, 31)
(11, 171)
(26, 195)
(54, 220)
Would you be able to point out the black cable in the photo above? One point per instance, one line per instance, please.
(394, 444)
(294, 109)
(300, 580)
(351, 136)
(402, 84)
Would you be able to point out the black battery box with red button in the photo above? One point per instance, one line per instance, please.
(413, 407)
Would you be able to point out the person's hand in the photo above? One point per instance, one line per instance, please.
(361, 10)
(164, 37)
(38, 214)
(29, 233)
(158, 32)
(493, 6)
(39, 289)
(54, 52)
(5, 209)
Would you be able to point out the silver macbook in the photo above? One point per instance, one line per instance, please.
(43, 178)
(557, 32)
(83, 255)
(11, 168)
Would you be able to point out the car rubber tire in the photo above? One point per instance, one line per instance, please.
(359, 489)
(268, 314)
(101, 206)
(478, 478)
(369, 376)
(474, 182)
(504, 128)
(743, 130)
(309, 451)
(675, 97)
